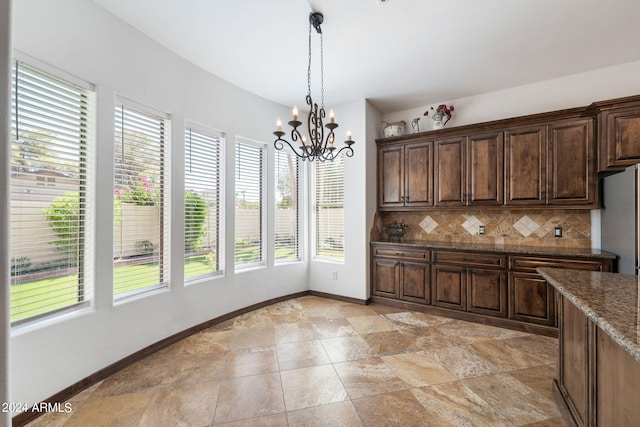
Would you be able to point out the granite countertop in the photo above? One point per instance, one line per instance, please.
(610, 300)
(509, 249)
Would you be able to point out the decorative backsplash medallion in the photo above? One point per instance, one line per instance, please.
(503, 227)
(428, 224)
(471, 224)
(526, 226)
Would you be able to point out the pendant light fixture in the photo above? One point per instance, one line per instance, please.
(314, 145)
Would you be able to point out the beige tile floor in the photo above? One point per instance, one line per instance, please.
(317, 362)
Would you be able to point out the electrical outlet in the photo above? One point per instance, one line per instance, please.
(334, 275)
(557, 231)
(481, 229)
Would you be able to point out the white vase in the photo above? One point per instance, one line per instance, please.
(437, 121)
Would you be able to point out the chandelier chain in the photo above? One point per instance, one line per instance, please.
(321, 71)
(309, 64)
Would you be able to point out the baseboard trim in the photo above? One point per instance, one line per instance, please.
(340, 298)
(67, 393)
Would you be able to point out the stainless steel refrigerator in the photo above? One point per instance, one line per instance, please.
(620, 218)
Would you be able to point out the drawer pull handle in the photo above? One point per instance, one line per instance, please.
(399, 253)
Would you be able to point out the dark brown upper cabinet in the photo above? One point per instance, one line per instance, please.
(547, 160)
(450, 172)
(405, 176)
(619, 133)
(572, 178)
(485, 170)
(525, 158)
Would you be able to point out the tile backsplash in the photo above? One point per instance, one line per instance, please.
(504, 227)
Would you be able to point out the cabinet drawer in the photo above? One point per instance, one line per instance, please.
(529, 264)
(470, 259)
(402, 252)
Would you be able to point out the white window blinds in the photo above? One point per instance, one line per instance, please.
(329, 209)
(202, 181)
(249, 209)
(287, 212)
(140, 256)
(51, 154)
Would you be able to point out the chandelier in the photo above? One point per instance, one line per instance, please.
(316, 147)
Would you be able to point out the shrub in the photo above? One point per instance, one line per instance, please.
(64, 218)
(20, 265)
(195, 215)
(145, 247)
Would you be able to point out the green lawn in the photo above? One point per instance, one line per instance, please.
(35, 297)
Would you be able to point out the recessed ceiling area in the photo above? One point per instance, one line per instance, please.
(398, 54)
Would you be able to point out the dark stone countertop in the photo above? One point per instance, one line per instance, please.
(508, 249)
(610, 300)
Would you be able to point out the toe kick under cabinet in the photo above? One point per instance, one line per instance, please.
(497, 288)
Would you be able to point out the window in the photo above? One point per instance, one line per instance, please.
(140, 253)
(287, 213)
(249, 199)
(202, 181)
(51, 141)
(329, 209)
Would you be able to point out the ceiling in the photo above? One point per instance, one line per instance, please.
(399, 54)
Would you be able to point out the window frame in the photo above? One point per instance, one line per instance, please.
(299, 166)
(264, 200)
(314, 215)
(86, 151)
(222, 136)
(164, 257)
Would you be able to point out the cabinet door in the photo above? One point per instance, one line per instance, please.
(418, 185)
(616, 384)
(487, 292)
(391, 177)
(485, 173)
(414, 282)
(449, 287)
(572, 175)
(449, 181)
(573, 360)
(531, 299)
(525, 153)
(385, 278)
(620, 137)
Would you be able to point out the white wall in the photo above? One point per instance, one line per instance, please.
(5, 128)
(352, 280)
(566, 92)
(82, 39)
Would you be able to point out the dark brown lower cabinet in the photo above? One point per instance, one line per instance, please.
(401, 273)
(597, 379)
(487, 292)
(495, 288)
(414, 282)
(531, 299)
(385, 277)
(449, 287)
(481, 290)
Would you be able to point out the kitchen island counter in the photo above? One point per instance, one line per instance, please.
(599, 345)
(610, 300)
